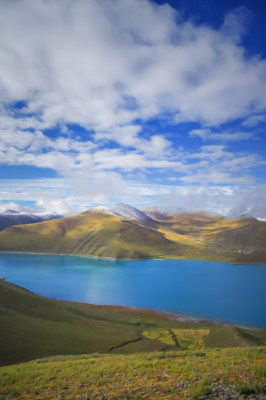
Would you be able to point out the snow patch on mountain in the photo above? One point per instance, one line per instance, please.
(123, 211)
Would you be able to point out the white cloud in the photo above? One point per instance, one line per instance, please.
(235, 23)
(251, 202)
(55, 207)
(126, 136)
(208, 135)
(215, 176)
(54, 196)
(109, 66)
(195, 198)
(41, 196)
(103, 64)
(68, 156)
(215, 164)
(254, 120)
(231, 201)
(6, 207)
(97, 186)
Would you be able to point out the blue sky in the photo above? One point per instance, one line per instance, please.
(137, 101)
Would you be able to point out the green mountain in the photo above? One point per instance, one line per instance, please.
(122, 231)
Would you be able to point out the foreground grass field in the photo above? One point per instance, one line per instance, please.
(168, 375)
(129, 354)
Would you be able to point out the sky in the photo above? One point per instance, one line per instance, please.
(135, 101)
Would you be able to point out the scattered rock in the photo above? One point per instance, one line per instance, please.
(220, 392)
(199, 354)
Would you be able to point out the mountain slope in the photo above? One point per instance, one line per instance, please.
(124, 211)
(121, 231)
(34, 326)
(220, 373)
(241, 240)
(89, 233)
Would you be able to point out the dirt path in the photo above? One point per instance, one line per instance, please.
(124, 344)
(174, 337)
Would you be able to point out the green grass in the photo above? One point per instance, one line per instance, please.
(171, 375)
(200, 389)
(70, 346)
(250, 388)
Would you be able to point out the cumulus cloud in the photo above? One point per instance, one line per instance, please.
(251, 202)
(236, 22)
(227, 200)
(213, 163)
(110, 67)
(54, 207)
(54, 196)
(39, 196)
(195, 198)
(104, 64)
(97, 186)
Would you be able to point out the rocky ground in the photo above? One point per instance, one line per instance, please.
(219, 392)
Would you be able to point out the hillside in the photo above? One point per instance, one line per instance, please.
(217, 374)
(134, 354)
(121, 231)
(33, 326)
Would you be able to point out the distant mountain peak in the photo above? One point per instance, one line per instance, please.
(10, 212)
(247, 216)
(123, 211)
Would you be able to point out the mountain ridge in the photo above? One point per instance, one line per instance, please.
(124, 211)
(124, 232)
(11, 218)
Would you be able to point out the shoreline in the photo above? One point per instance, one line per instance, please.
(122, 259)
(179, 317)
(64, 254)
(176, 316)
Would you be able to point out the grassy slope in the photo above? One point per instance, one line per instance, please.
(171, 375)
(88, 234)
(34, 326)
(13, 219)
(191, 236)
(218, 238)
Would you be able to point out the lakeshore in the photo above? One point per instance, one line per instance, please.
(194, 289)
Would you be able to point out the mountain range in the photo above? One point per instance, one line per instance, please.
(124, 232)
(11, 218)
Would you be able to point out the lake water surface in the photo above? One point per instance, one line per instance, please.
(212, 290)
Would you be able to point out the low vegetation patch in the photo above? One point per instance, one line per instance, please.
(185, 338)
(200, 389)
(169, 375)
(250, 388)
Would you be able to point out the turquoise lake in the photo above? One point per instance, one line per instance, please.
(210, 290)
